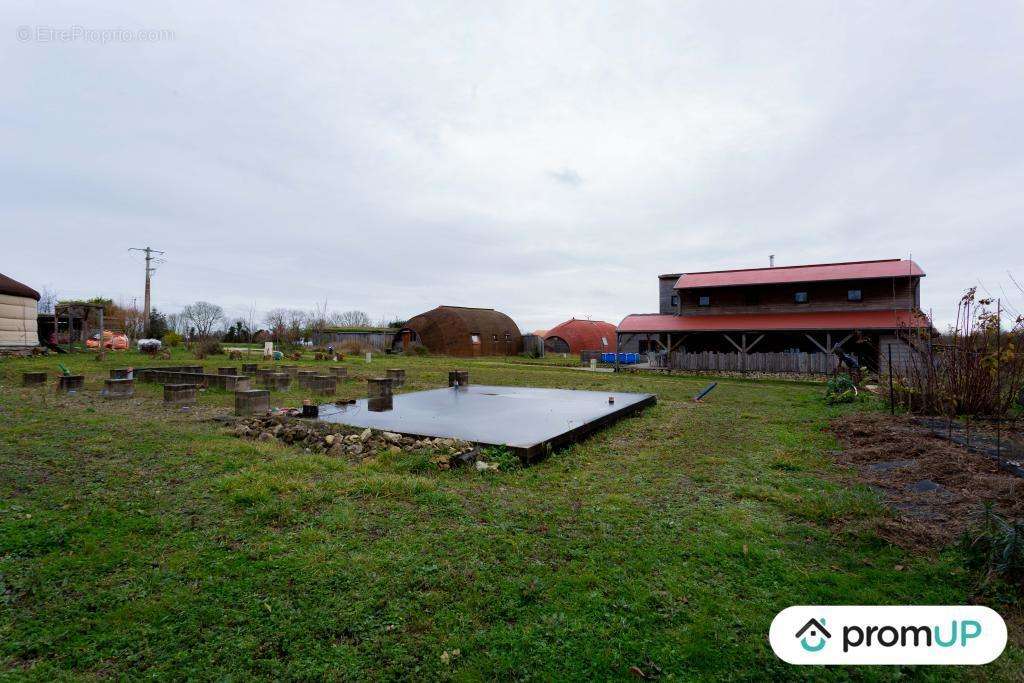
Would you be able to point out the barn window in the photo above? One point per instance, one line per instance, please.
(800, 297)
(674, 300)
(854, 295)
(494, 338)
(475, 338)
(604, 341)
(704, 301)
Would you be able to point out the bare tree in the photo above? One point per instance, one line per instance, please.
(177, 323)
(203, 316)
(318, 319)
(297, 324)
(134, 321)
(286, 324)
(47, 300)
(250, 321)
(351, 319)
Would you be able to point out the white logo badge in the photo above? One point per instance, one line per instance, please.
(888, 635)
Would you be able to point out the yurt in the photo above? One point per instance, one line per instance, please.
(575, 335)
(18, 304)
(462, 331)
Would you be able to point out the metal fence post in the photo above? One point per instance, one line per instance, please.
(892, 392)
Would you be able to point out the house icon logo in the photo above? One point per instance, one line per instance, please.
(815, 630)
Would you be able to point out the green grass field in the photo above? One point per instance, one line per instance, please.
(140, 541)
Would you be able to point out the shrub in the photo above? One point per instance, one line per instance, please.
(172, 339)
(207, 347)
(977, 368)
(354, 348)
(996, 547)
(840, 389)
(420, 349)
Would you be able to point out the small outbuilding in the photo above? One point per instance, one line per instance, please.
(461, 331)
(575, 335)
(18, 304)
(377, 338)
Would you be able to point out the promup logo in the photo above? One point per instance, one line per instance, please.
(817, 629)
(888, 635)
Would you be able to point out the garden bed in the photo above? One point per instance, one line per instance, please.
(935, 488)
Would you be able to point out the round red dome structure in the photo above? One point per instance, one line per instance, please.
(574, 336)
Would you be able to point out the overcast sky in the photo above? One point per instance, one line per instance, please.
(545, 159)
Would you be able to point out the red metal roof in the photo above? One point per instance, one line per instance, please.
(584, 335)
(764, 322)
(852, 270)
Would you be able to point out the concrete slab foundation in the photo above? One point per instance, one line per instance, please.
(530, 421)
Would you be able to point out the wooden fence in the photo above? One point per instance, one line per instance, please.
(801, 363)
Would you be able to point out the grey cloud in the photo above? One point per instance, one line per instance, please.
(566, 176)
(387, 158)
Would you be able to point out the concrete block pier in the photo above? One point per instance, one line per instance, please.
(33, 379)
(180, 394)
(252, 402)
(118, 388)
(66, 383)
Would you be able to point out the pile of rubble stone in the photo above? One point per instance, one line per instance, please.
(352, 442)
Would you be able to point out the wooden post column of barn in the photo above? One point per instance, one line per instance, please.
(743, 347)
(829, 347)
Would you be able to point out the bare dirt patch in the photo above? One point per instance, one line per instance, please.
(935, 488)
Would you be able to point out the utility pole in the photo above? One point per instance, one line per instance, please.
(149, 251)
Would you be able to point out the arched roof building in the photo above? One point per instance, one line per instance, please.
(18, 325)
(574, 336)
(462, 331)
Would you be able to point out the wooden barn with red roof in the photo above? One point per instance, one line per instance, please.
(858, 307)
(576, 335)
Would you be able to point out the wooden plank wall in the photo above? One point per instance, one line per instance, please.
(376, 340)
(901, 355)
(801, 363)
(878, 295)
